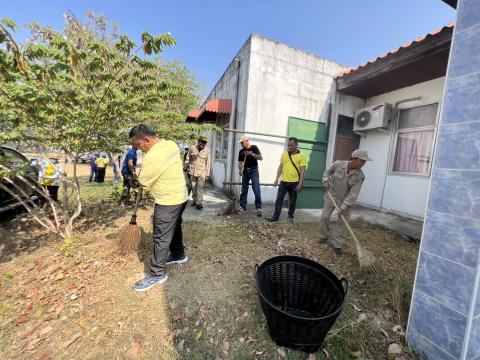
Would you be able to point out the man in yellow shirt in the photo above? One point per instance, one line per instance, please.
(162, 174)
(101, 165)
(292, 170)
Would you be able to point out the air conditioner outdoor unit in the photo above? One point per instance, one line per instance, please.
(372, 117)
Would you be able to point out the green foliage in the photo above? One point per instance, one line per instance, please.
(82, 89)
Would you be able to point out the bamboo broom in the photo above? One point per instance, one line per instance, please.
(130, 236)
(365, 257)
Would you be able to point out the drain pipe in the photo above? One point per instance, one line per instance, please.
(235, 115)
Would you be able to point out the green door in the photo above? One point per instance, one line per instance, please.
(312, 142)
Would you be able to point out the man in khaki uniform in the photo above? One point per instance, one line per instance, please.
(344, 180)
(198, 163)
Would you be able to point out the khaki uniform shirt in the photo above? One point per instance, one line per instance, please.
(344, 187)
(199, 161)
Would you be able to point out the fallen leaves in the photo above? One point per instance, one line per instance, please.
(225, 348)
(72, 340)
(134, 351)
(22, 319)
(45, 330)
(395, 349)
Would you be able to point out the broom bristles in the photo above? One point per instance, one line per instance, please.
(365, 258)
(129, 238)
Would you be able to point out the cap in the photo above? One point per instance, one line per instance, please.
(53, 155)
(361, 154)
(243, 139)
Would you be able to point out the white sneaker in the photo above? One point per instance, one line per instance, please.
(259, 212)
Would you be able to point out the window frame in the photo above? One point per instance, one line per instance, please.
(223, 135)
(397, 131)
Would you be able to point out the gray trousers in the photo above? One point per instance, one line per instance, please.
(197, 188)
(338, 233)
(167, 236)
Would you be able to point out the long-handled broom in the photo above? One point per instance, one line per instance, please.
(130, 236)
(365, 257)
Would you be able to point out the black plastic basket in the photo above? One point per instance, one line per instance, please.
(301, 300)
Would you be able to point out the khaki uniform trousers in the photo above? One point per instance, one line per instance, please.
(197, 188)
(339, 232)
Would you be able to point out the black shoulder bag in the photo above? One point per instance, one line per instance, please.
(295, 166)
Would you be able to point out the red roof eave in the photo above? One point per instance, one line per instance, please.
(219, 106)
(393, 52)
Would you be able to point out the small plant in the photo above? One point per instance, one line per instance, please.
(7, 275)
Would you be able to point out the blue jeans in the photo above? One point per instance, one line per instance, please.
(250, 174)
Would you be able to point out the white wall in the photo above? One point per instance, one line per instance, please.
(226, 88)
(283, 82)
(401, 193)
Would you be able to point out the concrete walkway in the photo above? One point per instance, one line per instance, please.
(215, 201)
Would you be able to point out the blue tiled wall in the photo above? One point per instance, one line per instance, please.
(445, 311)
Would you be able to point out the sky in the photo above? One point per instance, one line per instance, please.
(210, 32)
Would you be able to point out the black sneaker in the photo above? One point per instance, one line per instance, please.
(177, 260)
(199, 206)
(322, 240)
(194, 203)
(271, 219)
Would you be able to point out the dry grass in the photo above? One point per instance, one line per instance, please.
(83, 307)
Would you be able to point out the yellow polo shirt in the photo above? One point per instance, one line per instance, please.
(289, 174)
(162, 174)
(101, 162)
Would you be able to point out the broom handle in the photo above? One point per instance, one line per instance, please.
(137, 200)
(343, 218)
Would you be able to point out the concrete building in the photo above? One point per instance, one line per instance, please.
(272, 89)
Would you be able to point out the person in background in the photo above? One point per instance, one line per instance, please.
(344, 180)
(162, 175)
(292, 170)
(129, 172)
(101, 164)
(93, 168)
(198, 163)
(49, 175)
(248, 158)
(119, 163)
(116, 172)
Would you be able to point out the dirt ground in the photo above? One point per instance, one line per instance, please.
(83, 307)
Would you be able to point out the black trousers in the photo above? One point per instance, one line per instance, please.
(100, 175)
(283, 188)
(167, 236)
(53, 191)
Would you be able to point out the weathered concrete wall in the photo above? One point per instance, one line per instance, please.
(226, 88)
(283, 82)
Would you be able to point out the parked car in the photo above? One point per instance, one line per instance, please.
(14, 160)
(82, 159)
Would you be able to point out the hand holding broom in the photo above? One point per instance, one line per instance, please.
(365, 257)
(130, 236)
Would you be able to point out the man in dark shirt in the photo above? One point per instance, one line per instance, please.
(129, 173)
(248, 169)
